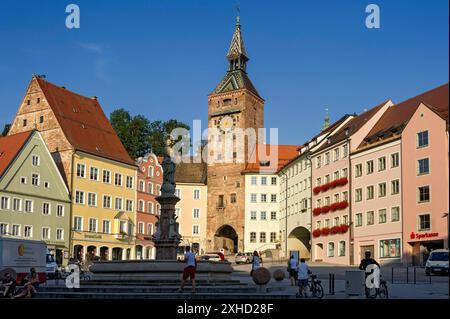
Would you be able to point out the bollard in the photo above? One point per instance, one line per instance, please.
(414, 275)
(331, 284)
(392, 275)
(407, 275)
(430, 278)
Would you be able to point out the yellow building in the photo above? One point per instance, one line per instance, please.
(103, 208)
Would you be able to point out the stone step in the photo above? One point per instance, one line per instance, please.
(156, 283)
(186, 295)
(155, 289)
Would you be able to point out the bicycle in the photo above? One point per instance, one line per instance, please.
(382, 292)
(314, 286)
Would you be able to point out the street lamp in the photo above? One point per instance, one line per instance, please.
(448, 228)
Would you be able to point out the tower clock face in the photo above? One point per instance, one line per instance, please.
(227, 123)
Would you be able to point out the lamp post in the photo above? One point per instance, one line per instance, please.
(448, 228)
(285, 214)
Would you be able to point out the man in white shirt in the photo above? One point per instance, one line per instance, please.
(303, 276)
(189, 270)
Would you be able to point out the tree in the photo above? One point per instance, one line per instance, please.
(141, 136)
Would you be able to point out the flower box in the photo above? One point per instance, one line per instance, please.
(334, 206)
(317, 211)
(325, 209)
(343, 228)
(335, 229)
(316, 233)
(343, 204)
(325, 187)
(325, 231)
(316, 190)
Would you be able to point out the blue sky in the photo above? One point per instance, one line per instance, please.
(162, 58)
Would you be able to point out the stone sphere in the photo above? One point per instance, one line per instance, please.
(278, 275)
(261, 276)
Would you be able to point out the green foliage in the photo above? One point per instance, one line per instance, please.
(139, 135)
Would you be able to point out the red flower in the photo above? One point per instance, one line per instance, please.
(325, 231)
(335, 229)
(334, 183)
(316, 233)
(343, 204)
(343, 228)
(325, 209)
(317, 211)
(325, 187)
(342, 181)
(316, 190)
(334, 206)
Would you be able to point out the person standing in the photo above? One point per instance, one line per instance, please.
(189, 270)
(292, 269)
(256, 262)
(303, 276)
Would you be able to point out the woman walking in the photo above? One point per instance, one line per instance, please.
(256, 262)
(292, 269)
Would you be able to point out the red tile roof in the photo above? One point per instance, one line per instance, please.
(396, 117)
(84, 123)
(285, 154)
(10, 147)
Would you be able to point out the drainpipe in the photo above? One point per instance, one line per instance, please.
(350, 210)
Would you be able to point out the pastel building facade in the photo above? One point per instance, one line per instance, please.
(150, 177)
(34, 200)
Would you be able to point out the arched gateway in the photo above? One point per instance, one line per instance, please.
(226, 238)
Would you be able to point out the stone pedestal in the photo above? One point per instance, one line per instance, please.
(167, 237)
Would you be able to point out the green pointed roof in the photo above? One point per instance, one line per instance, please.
(236, 80)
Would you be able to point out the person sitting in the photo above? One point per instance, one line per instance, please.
(30, 287)
(9, 285)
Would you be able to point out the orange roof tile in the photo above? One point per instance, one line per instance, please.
(285, 154)
(84, 123)
(10, 147)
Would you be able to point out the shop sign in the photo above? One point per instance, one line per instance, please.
(423, 235)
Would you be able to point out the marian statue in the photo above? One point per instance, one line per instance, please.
(168, 186)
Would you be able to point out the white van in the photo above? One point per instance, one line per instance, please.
(437, 262)
(22, 255)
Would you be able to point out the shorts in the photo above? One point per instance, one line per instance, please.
(293, 273)
(189, 272)
(302, 282)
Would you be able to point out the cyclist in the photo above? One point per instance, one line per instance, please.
(368, 260)
(303, 276)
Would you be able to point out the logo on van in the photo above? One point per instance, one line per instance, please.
(21, 250)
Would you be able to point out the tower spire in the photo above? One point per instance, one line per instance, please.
(237, 55)
(326, 122)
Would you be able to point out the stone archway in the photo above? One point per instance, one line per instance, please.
(226, 238)
(299, 240)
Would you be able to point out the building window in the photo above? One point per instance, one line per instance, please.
(158, 190)
(327, 158)
(422, 139)
(327, 178)
(336, 154)
(369, 167)
(150, 229)
(94, 174)
(24, 122)
(150, 171)
(395, 160)
(369, 192)
(253, 215)
(381, 163)
(196, 213)
(17, 204)
(358, 170)
(358, 195)
(424, 222)
(330, 251)
(318, 162)
(221, 202)
(253, 180)
(342, 248)
(359, 220)
(390, 248)
(150, 190)
(273, 181)
(28, 206)
(424, 194)
(196, 194)
(35, 160)
(273, 237)
(129, 205)
(273, 215)
(263, 180)
(81, 170)
(106, 201)
(92, 199)
(60, 234)
(253, 237)
(92, 225)
(45, 208)
(45, 233)
(337, 221)
(253, 198)
(118, 203)
(273, 198)
(59, 210)
(370, 218)
(28, 231)
(35, 179)
(233, 198)
(79, 197)
(263, 215)
(382, 190)
(129, 182)
(141, 186)
(178, 212)
(395, 187)
(262, 237)
(141, 205)
(336, 175)
(345, 150)
(4, 203)
(344, 172)
(140, 228)
(3, 229)
(106, 227)
(263, 198)
(195, 229)
(15, 230)
(118, 179)
(150, 207)
(77, 223)
(106, 177)
(395, 214)
(23, 180)
(382, 216)
(423, 166)
(345, 219)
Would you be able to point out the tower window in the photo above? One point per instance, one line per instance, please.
(41, 119)
(226, 102)
(24, 122)
(38, 100)
(235, 101)
(28, 102)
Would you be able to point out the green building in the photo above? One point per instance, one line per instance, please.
(34, 199)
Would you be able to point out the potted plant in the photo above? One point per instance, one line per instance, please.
(325, 209)
(316, 233)
(317, 211)
(316, 190)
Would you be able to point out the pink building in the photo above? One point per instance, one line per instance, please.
(400, 181)
(331, 219)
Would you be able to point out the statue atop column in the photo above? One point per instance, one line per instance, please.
(168, 186)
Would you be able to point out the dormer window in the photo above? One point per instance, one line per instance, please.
(329, 140)
(264, 163)
(226, 102)
(346, 131)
